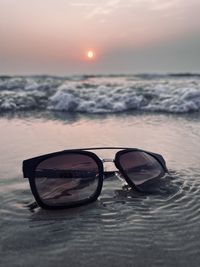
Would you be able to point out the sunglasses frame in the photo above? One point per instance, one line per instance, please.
(29, 166)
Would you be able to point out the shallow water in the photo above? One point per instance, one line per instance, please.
(122, 228)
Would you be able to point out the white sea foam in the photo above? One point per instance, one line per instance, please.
(100, 94)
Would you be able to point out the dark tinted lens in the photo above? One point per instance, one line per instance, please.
(66, 179)
(140, 166)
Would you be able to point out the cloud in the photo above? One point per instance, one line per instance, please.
(105, 9)
(99, 11)
(98, 8)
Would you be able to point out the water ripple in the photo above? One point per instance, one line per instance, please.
(126, 225)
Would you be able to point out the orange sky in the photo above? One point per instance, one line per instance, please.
(52, 36)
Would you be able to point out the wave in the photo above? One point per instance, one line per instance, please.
(101, 94)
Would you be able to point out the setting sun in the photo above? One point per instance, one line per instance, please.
(90, 54)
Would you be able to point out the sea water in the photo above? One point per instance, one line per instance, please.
(159, 113)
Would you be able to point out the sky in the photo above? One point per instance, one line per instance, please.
(126, 36)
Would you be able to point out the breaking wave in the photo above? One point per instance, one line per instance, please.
(174, 93)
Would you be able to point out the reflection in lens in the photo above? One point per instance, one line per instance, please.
(140, 166)
(66, 179)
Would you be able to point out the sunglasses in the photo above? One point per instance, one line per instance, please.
(75, 177)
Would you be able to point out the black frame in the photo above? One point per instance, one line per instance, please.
(29, 167)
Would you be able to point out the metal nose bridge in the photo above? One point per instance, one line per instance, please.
(107, 160)
(108, 174)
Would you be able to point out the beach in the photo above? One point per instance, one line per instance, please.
(39, 115)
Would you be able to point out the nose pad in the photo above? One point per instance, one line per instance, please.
(120, 177)
(110, 166)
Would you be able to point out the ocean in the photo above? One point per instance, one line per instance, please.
(154, 112)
